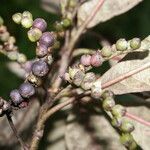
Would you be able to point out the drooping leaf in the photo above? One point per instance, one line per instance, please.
(136, 83)
(109, 9)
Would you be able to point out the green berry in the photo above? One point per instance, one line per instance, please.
(58, 26)
(126, 126)
(66, 23)
(118, 111)
(17, 17)
(26, 22)
(116, 122)
(133, 146)
(1, 21)
(12, 55)
(128, 141)
(121, 45)
(106, 94)
(27, 14)
(21, 58)
(108, 104)
(34, 34)
(135, 43)
(106, 51)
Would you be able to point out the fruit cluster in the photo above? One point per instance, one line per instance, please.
(122, 46)
(8, 47)
(118, 120)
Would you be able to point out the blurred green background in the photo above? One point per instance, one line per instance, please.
(135, 23)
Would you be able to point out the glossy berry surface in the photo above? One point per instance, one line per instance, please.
(16, 97)
(26, 90)
(40, 24)
(47, 39)
(40, 68)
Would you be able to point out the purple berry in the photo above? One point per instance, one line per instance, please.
(16, 97)
(96, 60)
(40, 24)
(40, 68)
(47, 39)
(26, 90)
(41, 50)
(85, 60)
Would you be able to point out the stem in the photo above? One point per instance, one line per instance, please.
(24, 147)
(140, 120)
(126, 75)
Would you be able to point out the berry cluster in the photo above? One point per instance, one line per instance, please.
(118, 112)
(107, 52)
(8, 46)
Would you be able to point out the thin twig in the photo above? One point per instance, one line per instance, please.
(140, 120)
(24, 147)
(126, 75)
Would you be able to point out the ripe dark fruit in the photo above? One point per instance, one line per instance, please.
(16, 97)
(47, 39)
(40, 24)
(40, 68)
(26, 90)
(41, 50)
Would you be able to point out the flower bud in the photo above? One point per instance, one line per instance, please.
(106, 51)
(27, 14)
(118, 111)
(108, 104)
(26, 22)
(40, 68)
(47, 39)
(88, 80)
(40, 24)
(96, 60)
(41, 50)
(126, 126)
(86, 60)
(17, 17)
(21, 58)
(121, 45)
(135, 43)
(1, 21)
(34, 34)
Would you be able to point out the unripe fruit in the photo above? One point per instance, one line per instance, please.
(133, 146)
(126, 126)
(58, 26)
(116, 122)
(27, 14)
(126, 139)
(1, 21)
(118, 111)
(135, 43)
(106, 51)
(40, 68)
(17, 18)
(78, 77)
(16, 97)
(26, 22)
(121, 45)
(26, 90)
(34, 34)
(96, 60)
(88, 80)
(40, 24)
(86, 60)
(107, 94)
(21, 58)
(41, 50)
(12, 55)
(66, 23)
(108, 104)
(47, 39)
